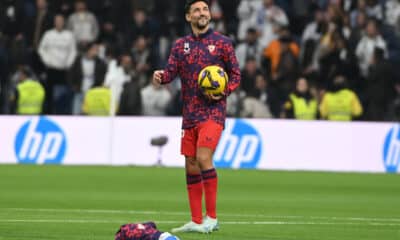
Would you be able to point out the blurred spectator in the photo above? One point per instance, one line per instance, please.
(367, 44)
(334, 58)
(131, 99)
(88, 70)
(270, 18)
(83, 24)
(313, 30)
(230, 19)
(247, 13)
(336, 15)
(155, 99)
(249, 75)
(11, 19)
(346, 28)
(282, 55)
(278, 48)
(301, 104)
(267, 94)
(372, 8)
(111, 12)
(375, 9)
(119, 72)
(358, 30)
(168, 14)
(63, 7)
(143, 59)
(393, 13)
(300, 15)
(38, 24)
(340, 103)
(97, 101)
(361, 8)
(169, 25)
(35, 26)
(348, 5)
(255, 104)
(109, 36)
(146, 5)
(379, 87)
(11, 30)
(310, 39)
(138, 25)
(29, 94)
(217, 17)
(393, 16)
(250, 48)
(57, 50)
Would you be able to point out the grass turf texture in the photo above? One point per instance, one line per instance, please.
(78, 203)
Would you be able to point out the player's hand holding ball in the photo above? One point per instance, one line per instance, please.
(214, 97)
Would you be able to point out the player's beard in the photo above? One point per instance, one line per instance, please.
(202, 22)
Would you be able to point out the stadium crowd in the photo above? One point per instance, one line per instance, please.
(302, 59)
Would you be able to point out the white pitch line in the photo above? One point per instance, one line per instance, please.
(106, 211)
(178, 222)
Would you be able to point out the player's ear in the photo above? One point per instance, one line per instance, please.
(187, 16)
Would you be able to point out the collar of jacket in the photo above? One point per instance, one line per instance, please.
(203, 35)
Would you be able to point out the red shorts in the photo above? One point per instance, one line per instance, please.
(206, 134)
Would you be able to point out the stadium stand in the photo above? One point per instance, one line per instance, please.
(355, 38)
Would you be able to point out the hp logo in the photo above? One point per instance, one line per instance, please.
(40, 141)
(240, 146)
(391, 150)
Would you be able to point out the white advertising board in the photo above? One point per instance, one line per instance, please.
(132, 137)
(245, 143)
(55, 140)
(301, 145)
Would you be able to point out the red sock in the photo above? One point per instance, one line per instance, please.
(210, 182)
(195, 192)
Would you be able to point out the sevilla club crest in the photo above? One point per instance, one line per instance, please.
(186, 48)
(211, 48)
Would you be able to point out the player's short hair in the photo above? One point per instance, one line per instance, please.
(190, 2)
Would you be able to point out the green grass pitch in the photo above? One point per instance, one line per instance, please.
(79, 203)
